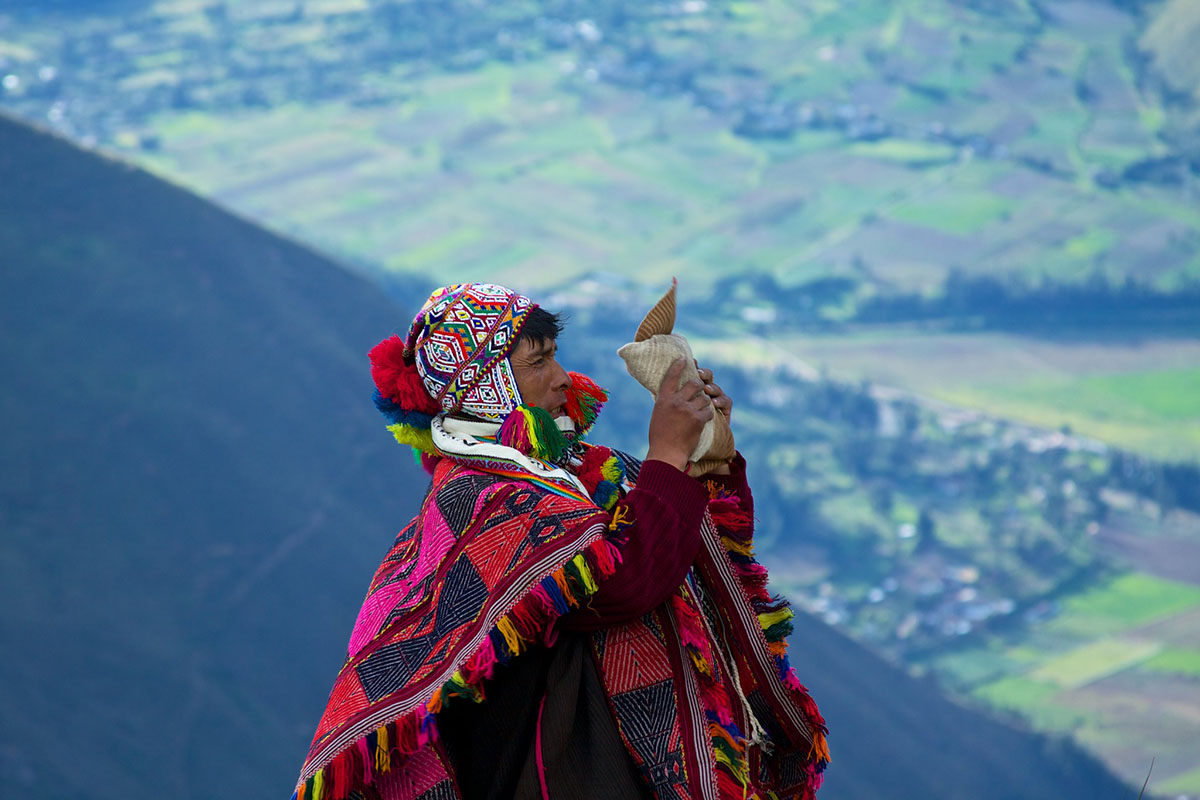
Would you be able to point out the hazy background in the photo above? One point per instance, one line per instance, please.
(944, 255)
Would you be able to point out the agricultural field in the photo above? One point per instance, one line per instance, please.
(887, 142)
(884, 145)
(1118, 665)
(1143, 395)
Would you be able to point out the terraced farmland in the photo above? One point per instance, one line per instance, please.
(886, 141)
(1139, 394)
(1118, 665)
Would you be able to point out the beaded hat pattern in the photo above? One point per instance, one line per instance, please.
(455, 358)
(460, 341)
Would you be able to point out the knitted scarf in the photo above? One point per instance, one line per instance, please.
(505, 543)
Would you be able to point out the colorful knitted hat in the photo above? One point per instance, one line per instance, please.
(460, 341)
(456, 360)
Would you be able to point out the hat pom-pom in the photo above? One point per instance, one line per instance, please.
(401, 397)
(584, 401)
(397, 379)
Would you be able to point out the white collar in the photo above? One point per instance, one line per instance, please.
(454, 436)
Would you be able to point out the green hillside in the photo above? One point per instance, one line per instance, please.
(534, 142)
(890, 146)
(951, 751)
(196, 489)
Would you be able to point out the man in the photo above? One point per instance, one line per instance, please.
(559, 620)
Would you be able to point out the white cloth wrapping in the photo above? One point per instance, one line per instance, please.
(648, 362)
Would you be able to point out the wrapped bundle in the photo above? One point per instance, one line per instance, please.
(648, 357)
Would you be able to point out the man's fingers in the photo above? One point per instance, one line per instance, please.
(706, 375)
(693, 389)
(671, 379)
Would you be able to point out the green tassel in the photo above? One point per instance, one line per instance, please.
(550, 442)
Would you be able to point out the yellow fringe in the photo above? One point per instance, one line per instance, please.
(318, 784)
(620, 517)
(701, 664)
(589, 582)
(531, 428)
(737, 770)
(420, 438)
(511, 637)
(769, 619)
(383, 758)
(744, 548)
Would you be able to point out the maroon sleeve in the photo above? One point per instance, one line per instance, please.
(666, 507)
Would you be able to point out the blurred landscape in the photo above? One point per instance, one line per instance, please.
(944, 255)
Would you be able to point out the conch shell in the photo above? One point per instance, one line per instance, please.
(648, 357)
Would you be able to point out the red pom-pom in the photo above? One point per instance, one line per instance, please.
(397, 379)
(589, 469)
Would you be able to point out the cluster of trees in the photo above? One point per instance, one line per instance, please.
(1011, 302)
(1002, 302)
(1170, 485)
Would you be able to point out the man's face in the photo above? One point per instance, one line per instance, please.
(542, 381)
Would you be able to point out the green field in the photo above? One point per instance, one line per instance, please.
(539, 170)
(1121, 605)
(1143, 396)
(1176, 661)
(1091, 662)
(1112, 666)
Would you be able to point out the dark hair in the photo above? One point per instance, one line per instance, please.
(539, 326)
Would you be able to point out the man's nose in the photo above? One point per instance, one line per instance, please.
(562, 381)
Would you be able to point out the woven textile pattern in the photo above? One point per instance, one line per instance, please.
(460, 340)
(483, 573)
(637, 674)
(427, 601)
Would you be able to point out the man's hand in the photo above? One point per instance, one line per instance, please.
(722, 401)
(679, 415)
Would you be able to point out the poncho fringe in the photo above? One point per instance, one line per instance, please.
(529, 620)
(775, 616)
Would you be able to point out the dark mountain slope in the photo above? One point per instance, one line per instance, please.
(896, 737)
(194, 485)
(194, 490)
